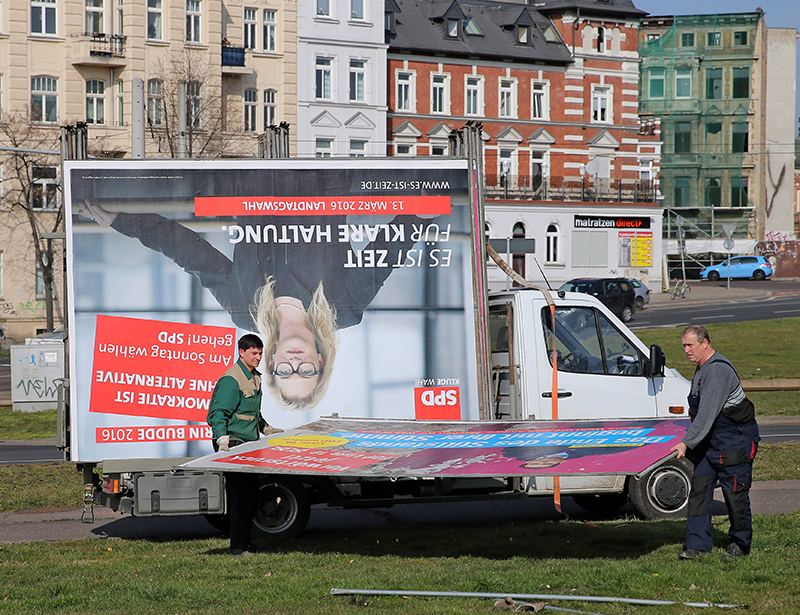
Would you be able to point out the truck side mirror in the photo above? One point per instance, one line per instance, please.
(654, 366)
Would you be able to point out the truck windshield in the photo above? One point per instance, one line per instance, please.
(587, 342)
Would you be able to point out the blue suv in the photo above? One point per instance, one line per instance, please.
(756, 267)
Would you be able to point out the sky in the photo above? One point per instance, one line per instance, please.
(777, 13)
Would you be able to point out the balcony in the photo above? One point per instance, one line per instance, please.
(234, 61)
(99, 50)
(569, 189)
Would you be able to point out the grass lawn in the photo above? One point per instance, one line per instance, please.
(759, 349)
(628, 558)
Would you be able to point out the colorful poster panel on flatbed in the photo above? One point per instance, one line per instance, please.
(482, 449)
(358, 269)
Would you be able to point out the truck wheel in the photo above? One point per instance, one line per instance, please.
(601, 503)
(662, 493)
(282, 510)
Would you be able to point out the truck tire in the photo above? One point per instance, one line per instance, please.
(601, 503)
(282, 511)
(662, 493)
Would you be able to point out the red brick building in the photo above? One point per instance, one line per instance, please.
(555, 86)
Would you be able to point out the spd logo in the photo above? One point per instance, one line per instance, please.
(437, 403)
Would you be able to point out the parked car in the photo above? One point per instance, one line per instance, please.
(616, 294)
(756, 267)
(642, 293)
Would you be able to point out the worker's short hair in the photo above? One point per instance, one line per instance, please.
(700, 332)
(250, 340)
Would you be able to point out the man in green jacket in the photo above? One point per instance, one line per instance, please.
(235, 418)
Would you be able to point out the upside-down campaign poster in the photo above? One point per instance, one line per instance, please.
(356, 274)
(455, 448)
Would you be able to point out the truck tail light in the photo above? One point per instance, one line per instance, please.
(110, 485)
(677, 410)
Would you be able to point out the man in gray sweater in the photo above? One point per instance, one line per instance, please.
(722, 443)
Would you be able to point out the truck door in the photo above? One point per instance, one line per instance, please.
(600, 370)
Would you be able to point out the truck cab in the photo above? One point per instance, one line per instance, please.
(603, 372)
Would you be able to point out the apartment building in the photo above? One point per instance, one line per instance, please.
(555, 87)
(722, 90)
(233, 62)
(341, 104)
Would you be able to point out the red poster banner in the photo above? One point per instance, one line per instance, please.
(158, 369)
(321, 205)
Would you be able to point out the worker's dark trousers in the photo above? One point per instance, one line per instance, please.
(242, 488)
(735, 482)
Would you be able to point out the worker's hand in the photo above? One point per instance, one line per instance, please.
(681, 448)
(268, 430)
(97, 213)
(224, 443)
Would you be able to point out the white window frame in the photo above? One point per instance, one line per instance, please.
(95, 17)
(683, 73)
(194, 104)
(357, 8)
(507, 98)
(270, 108)
(540, 90)
(602, 40)
(358, 148)
(323, 78)
(473, 95)
(602, 104)
(193, 21)
(117, 26)
(405, 91)
(270, 30)
(357, 80)
(513, 161)
(120, 92)
(41, 188)
(47, 11)
(155, 20)
(554, 245)
(250, 27)
(440, 93)
(452, 28)
(95, 101)
(656, 74)
(323, 8)
(403, 148)
(250, 109)
(155, 102)
(44, 92)
(323, 148)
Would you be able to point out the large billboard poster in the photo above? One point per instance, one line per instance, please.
(362, 267)
(453, 449)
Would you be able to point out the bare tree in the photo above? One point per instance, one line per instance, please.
(31, 194)
(206, 132)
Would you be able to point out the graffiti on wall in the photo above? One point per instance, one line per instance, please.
(22, 308)
(39, 388)
(783, 256)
